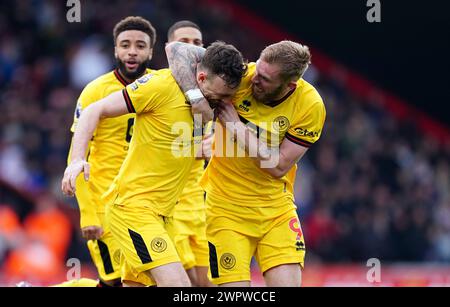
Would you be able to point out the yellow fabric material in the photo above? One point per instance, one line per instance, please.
(299, 118)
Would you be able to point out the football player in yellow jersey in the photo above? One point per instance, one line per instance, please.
(134, 38)
(158, 163)
(189, 217)
(273, 120)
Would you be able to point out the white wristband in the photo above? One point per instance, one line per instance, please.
(194, 94)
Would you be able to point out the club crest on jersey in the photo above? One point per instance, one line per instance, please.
(280, 124)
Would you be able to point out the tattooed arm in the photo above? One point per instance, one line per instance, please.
(183, 59)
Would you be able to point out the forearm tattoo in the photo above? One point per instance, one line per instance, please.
(183, 59)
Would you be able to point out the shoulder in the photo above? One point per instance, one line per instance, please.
(251, 68)
(309, 91)
(152, 91)
(310, 98)
(161, 79)
(95, 88)
(103, 80)
(246, 82)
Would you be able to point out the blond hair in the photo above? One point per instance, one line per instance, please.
(293, 58)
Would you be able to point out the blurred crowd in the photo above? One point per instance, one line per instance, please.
(371, 187)
(377, 187)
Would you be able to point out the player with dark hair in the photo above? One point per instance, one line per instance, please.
(131, 69)
(185, 31)
(134, 38)
(158, 163)
(189, 230)
(271, 122)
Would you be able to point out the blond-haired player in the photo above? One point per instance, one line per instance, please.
(272, 121)
(143, 195)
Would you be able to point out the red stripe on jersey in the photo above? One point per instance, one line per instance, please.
(298, 141)
(130, 106)
(120, 78)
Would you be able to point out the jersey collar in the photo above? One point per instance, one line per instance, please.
(277, 102)
(120, 78)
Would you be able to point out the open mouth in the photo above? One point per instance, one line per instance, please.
(131, 65)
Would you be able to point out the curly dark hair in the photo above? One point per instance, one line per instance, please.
(135, 23)
(225, 61)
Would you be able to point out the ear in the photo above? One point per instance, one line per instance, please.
(150, 55)
(115, 52)
(201, 76)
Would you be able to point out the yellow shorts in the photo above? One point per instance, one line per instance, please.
(130, 274)
(236, 233)
(143, 240)
(189, 235)
(105, 253)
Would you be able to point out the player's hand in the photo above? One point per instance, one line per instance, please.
(70, 176)
(207, 146)
(92, 232)
(202, 108)
(226, 113)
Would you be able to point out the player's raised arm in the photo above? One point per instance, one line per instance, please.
(111, 106)
(183, 60)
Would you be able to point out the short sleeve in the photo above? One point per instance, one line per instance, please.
(142, 95)
(307, 127)
(88, 95)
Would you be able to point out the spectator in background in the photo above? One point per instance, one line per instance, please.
(89, 62)
(37, 51)
(134, 39)
(38, 246)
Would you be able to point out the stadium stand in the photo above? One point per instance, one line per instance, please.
(377, 184)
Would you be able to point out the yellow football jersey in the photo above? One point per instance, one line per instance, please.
(107, 149)
(192, 197)
(299, 117)
(160, 156)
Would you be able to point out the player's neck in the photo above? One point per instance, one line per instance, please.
(282, 97)
(128, 80)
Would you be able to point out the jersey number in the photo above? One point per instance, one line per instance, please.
(129, 130)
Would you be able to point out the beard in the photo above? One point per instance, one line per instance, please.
(267, 98)
(132, 75)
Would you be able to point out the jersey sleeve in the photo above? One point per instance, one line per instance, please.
(307, 127)
(143, 95)
(89, 95)
(88, 213)
(86, 203)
